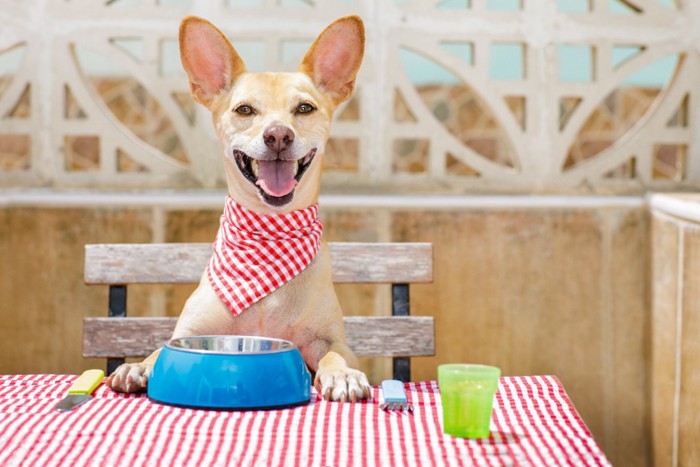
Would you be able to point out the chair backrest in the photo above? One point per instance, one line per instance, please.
(117, 337)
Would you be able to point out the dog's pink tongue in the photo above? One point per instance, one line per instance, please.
(276, 177)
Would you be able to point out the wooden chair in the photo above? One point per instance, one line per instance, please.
(117, 265)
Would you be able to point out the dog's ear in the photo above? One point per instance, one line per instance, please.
(334, 58)
(211, 62)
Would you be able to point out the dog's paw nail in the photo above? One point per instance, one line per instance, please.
(326, 393)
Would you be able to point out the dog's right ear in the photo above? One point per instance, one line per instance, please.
(211, 62)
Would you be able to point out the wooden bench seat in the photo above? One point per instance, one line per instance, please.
(117, 337)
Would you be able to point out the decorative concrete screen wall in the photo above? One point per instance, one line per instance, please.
(566, 96)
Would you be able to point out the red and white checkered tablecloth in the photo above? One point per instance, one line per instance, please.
(533, 423)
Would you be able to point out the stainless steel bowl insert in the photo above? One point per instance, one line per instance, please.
(230, 345)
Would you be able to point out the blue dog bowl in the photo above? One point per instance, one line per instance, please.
(230, 372)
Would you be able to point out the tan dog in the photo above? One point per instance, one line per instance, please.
(284, 118)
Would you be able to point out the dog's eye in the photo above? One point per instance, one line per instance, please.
(244, 110)
(305, 108)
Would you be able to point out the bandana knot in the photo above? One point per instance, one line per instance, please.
(256, 254)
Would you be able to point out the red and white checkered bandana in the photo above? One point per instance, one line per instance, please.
(256, 254)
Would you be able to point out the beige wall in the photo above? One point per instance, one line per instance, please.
(533, 290)
(676, 331)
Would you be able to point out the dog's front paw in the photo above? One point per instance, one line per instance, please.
(342, 384)
(129, 377)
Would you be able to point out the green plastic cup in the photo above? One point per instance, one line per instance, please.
(467, 398)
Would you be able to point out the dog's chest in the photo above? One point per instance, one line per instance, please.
(272, 316)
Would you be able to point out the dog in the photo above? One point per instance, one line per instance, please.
(273, 128)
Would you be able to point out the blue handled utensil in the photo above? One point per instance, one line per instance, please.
(394, 396)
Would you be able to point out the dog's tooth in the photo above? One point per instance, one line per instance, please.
(256, 169)
(296, 167)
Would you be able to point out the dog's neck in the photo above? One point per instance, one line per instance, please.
(244, 223)
(255, 254)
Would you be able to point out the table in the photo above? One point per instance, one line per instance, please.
(533, 423)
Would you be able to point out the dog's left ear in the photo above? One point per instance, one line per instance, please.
(334, 59)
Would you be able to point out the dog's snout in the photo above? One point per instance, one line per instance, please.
(278, 138)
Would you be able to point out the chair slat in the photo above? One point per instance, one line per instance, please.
(173, 263)
(368, 336)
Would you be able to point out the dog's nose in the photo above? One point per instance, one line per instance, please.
(278, 138)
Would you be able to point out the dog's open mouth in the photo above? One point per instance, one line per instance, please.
(276, 179)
